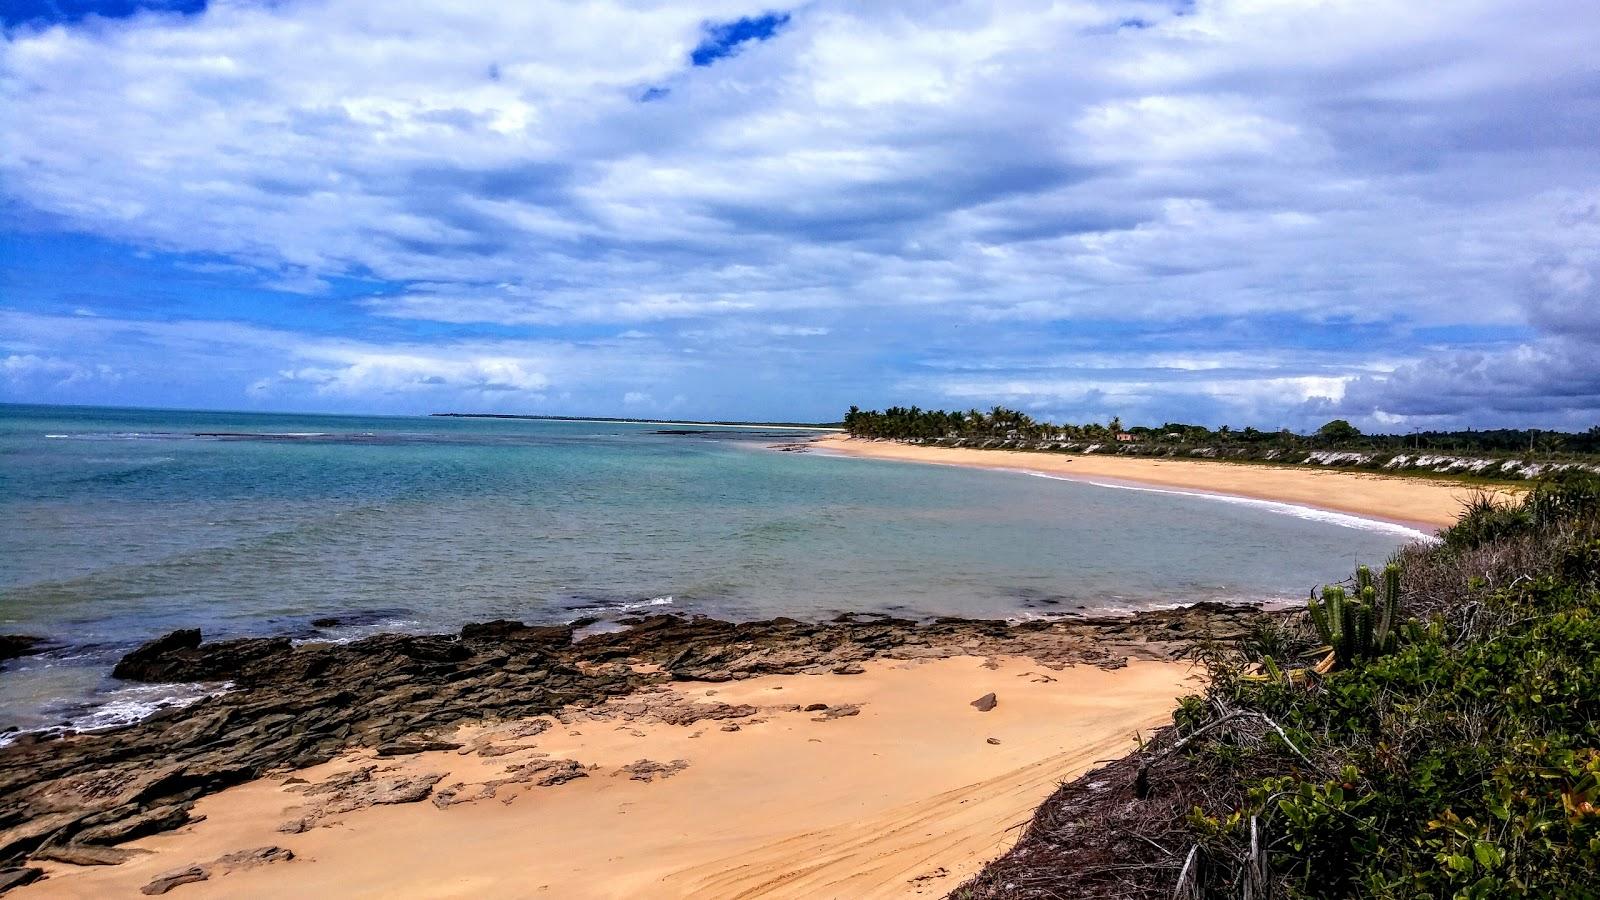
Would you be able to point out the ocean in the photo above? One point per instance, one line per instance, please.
(117, 525)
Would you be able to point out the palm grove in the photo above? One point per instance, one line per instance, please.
(1009, 427)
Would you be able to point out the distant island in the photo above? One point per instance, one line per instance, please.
(626, 420)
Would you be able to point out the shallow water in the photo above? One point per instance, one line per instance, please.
(117, 525)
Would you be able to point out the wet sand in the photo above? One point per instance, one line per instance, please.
(905, 797)
(1425, 503)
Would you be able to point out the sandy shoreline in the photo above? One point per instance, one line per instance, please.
(906, 796)
(1426, 504)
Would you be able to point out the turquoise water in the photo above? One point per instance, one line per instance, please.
(116, 525)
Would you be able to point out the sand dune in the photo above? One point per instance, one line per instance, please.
(1426, 503)
(904, 798)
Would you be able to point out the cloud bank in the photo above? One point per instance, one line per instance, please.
(1256, 211)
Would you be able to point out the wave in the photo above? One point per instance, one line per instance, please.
(1310, 513)
(602, 609)
(127, 706)
(1269, 602)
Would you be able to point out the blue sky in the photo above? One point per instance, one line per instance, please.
(1258, 212)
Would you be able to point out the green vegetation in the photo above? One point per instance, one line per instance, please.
(1506, 454)
(1461, 759)
(1454, 755)
(1364, 626)
(1008, 425)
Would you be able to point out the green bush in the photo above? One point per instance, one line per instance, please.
(1461, 761)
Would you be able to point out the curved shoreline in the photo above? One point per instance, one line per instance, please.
(1421, 505)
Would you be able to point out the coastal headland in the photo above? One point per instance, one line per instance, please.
(867, 756)
(1423, 502)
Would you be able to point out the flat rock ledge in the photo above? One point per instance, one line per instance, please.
(73, 798)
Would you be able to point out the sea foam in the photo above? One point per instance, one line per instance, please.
(1311, 513)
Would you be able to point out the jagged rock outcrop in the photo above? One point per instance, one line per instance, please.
(296, 706)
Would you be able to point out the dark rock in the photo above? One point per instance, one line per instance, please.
(985, 703)
(86, 855)
(432, 648)
(690, 713)
(180, 656)
(326, 622)
(17, 876)
(405, 748)
(166, 882)
(549, 772)
(293, 707)
(816, 707)
(240, 859)
(648, 770)
(15, 645)
(35, 737)
(137, 825)
(260, 856)
(508, 630)
(149, 656)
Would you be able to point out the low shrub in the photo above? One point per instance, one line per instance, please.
(1457, 755)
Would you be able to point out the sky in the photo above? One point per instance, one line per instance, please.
(1252, 212)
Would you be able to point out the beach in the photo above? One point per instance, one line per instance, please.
(746, 673)
(1427, 503)
(907, 794)
(867, 757)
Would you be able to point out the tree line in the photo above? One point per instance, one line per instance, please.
(1008, 425)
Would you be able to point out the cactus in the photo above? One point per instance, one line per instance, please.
(1363, 626)
(1389, 612)
(1273, 670)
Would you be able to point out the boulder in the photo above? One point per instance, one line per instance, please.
(180, 656)
(152, 655)
(516, 632)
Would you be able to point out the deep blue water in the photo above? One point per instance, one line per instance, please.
(117, 525)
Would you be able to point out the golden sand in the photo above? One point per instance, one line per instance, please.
(906, 798)
(1422, 502)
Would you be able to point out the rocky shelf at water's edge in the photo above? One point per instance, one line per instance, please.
(295, 706)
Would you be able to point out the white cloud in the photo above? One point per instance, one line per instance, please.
(51, 372)
(268, 364)
(866, 177)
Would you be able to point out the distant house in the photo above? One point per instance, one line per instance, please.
(1127, 438)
